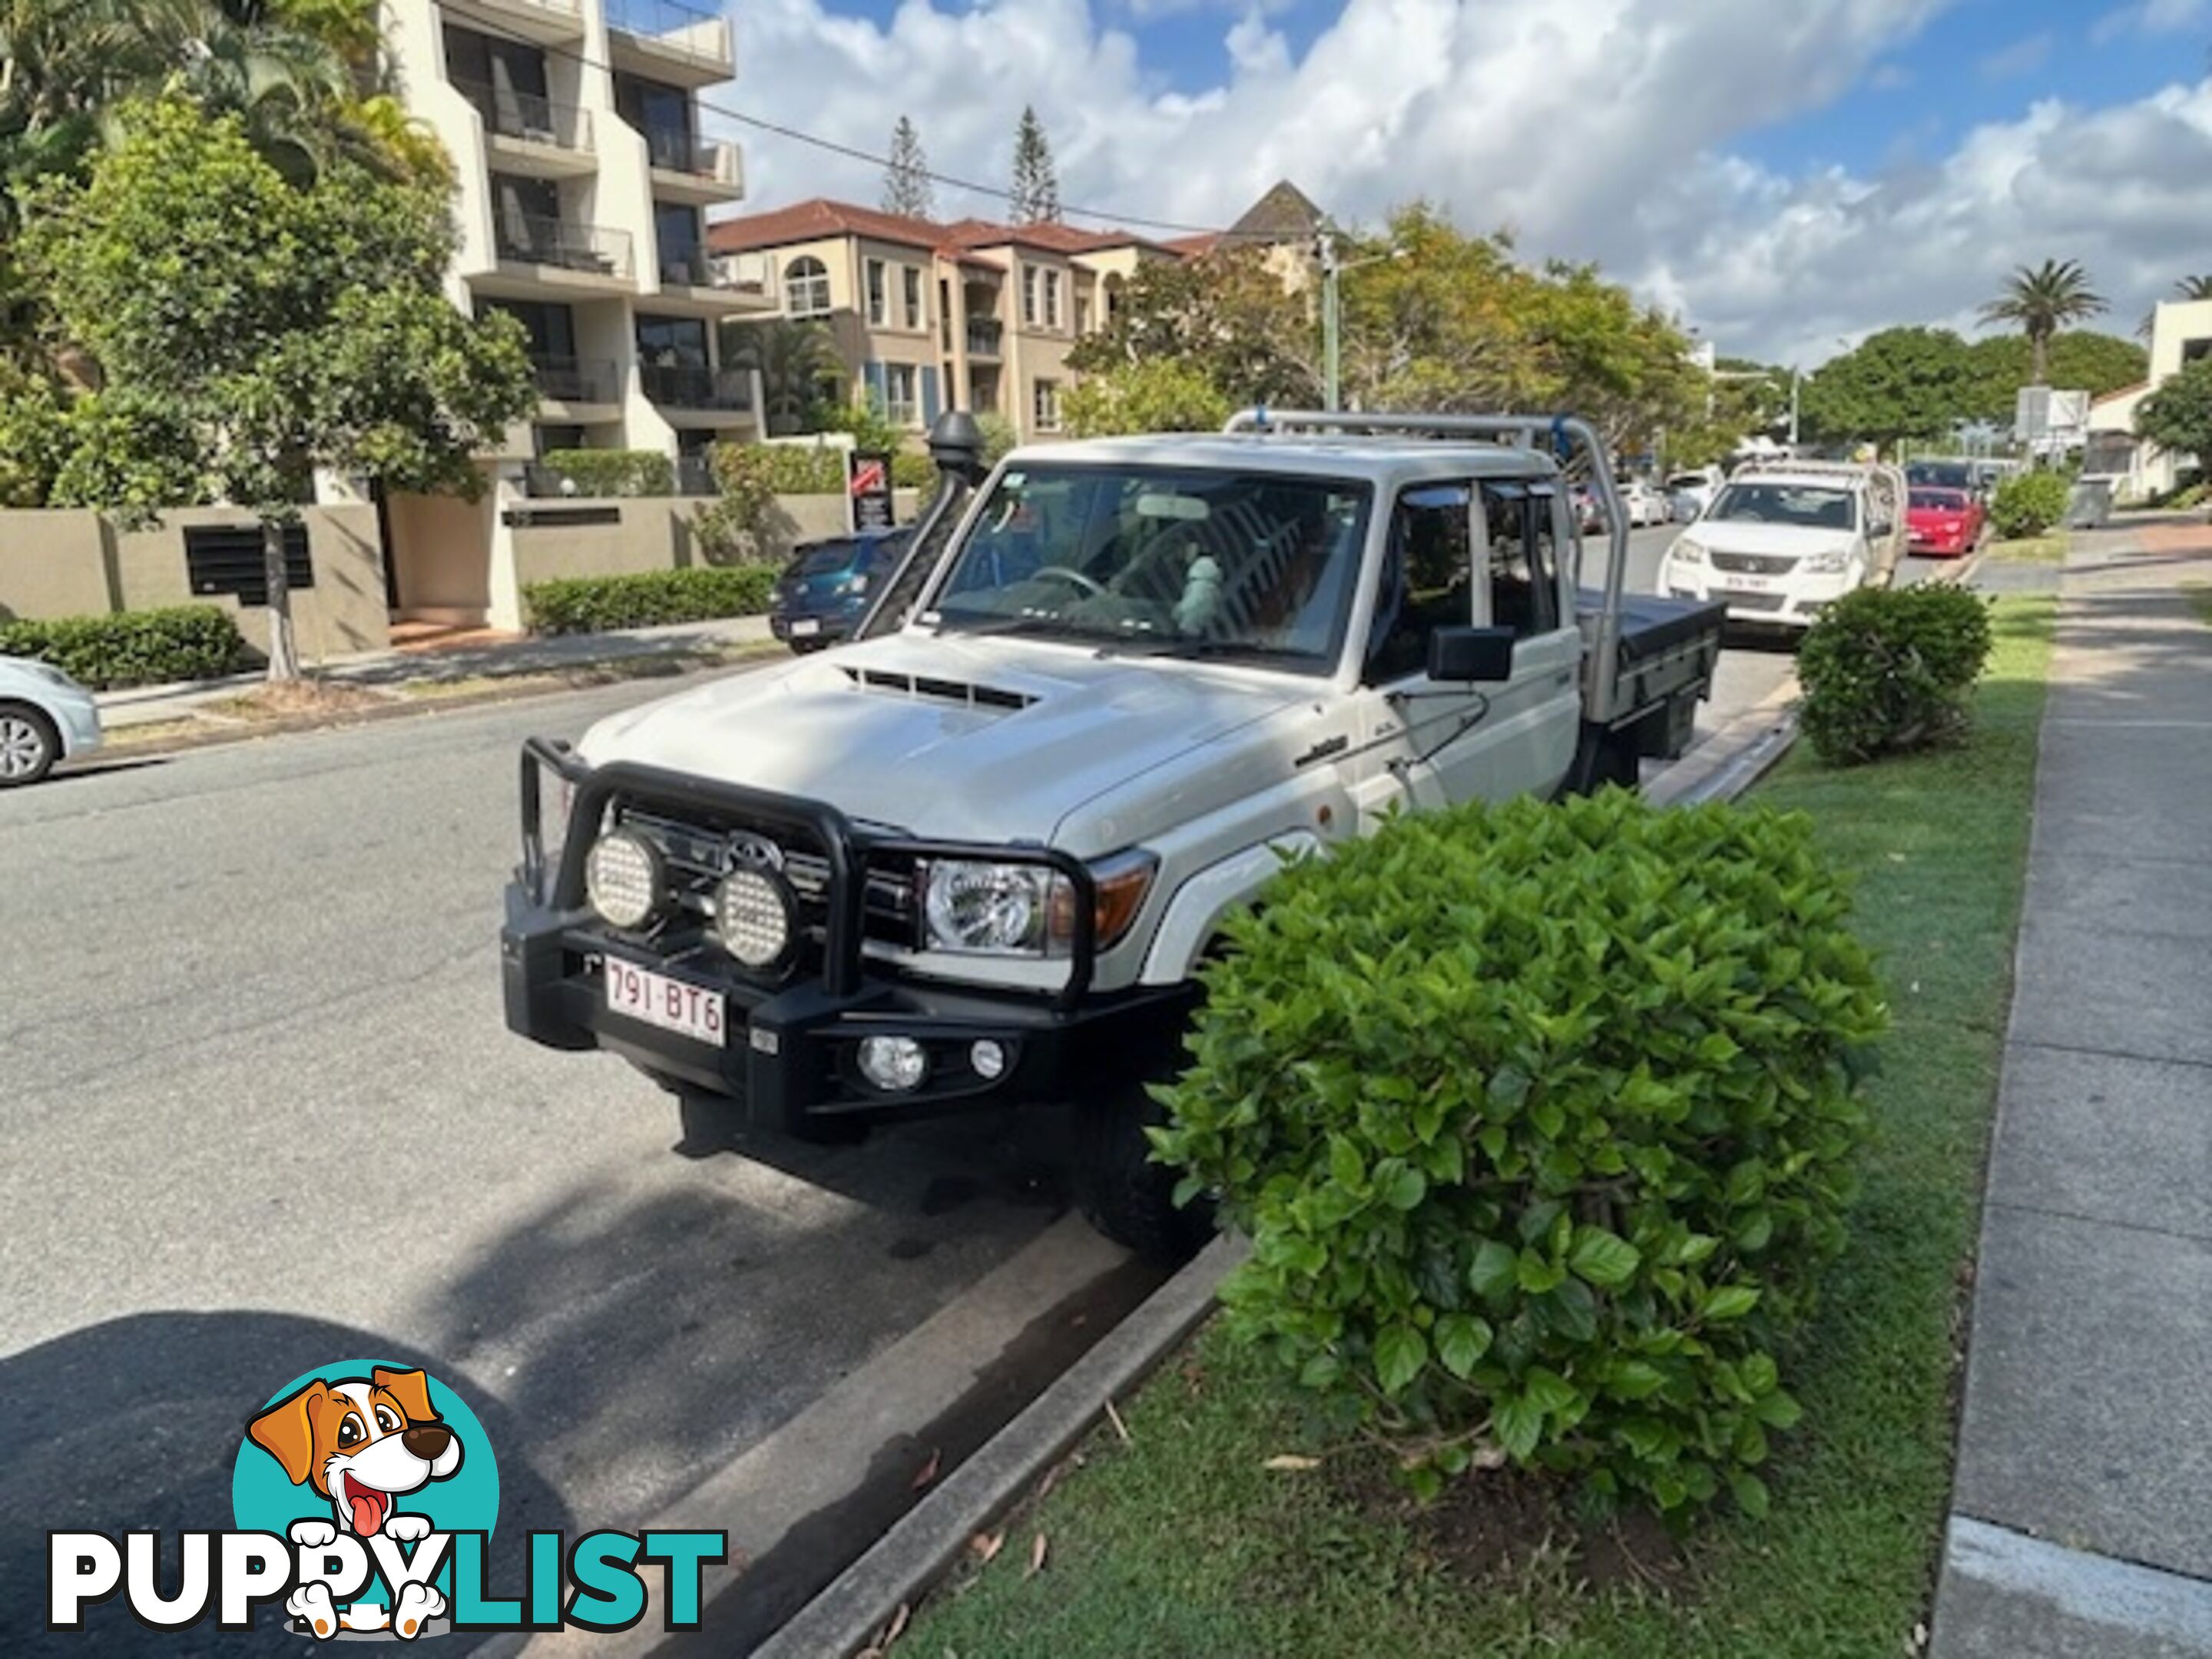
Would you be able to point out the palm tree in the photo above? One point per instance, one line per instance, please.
(795, 359)
(2042, 302)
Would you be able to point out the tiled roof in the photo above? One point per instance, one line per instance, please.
(816, 219)
(1285, 214)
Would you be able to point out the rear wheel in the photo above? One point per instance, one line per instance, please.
(1120, 1191)
(29, 744)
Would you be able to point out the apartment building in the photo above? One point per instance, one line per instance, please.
(926, 315)
(584, 181)
(2181, 333)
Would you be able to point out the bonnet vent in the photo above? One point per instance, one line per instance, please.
(938, 691)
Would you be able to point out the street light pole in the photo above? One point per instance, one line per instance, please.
(1329, 273)
(1796, 379)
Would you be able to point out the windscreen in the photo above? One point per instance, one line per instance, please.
(1940, 500)
(826, 559)
(1181, 560)
(1808, 505)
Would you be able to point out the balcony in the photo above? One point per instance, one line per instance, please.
(669, 40)
(684, 386)
(546, 22)
(522, 128)
(577, 379)
(564, 252)
(985, 338)
(688, 168)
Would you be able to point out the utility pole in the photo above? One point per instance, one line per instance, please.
(1326, 249)
(1796, 379)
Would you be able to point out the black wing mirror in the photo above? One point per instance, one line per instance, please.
(1463, 654)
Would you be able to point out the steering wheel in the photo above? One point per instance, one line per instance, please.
(1074, 577)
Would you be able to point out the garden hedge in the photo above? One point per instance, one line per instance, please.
(1887, 670)
(2028, 503)
(592, 605)
(614, 472)
(133, 647)
(1540, 1118)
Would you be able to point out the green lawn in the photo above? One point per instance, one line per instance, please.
(2047, 548)
(1182, 1543)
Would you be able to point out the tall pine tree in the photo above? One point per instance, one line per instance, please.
(906, 178)
(1036, 188)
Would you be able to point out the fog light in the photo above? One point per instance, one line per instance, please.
(893, 1064)
(752, 914)
(622, 879)
(988, 1059)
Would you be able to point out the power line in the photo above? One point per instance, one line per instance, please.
(854, 153)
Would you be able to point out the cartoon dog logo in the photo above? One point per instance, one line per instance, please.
(363, 1444)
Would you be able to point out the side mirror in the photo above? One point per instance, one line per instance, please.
(1470, 654)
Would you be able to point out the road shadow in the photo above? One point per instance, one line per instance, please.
(136, 1424)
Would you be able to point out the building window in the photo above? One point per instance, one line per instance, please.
(1083, 314)
(1045, 406)
(879, 305)
(1052, 299)
(901, 403)
(807, 287)
(1030, 274)
(675, 239)
(910, 279)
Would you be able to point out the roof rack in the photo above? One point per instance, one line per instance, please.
(1561, 434)
(1819, 469)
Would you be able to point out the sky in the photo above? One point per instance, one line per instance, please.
(1785, 176)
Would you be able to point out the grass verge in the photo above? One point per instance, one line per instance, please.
(1181, 1541)
(2049, 549)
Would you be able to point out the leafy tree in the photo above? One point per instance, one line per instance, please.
(1162, 394)
(1999, 367)
(1227, 316)
(796, 361)
(2041, 301)
(2177, 416)
(1902, 383)
(251, 329)
(1036, 188)
(906, 188)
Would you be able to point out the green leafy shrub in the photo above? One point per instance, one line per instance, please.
(592, 605)
(614, 471)
(2027, 504)
(1885, 670)
(912, 469)
(133, 647)
(1541, 1117)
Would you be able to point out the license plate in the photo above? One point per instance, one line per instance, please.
(688, 1010)
(1748, 585)
(804, 626)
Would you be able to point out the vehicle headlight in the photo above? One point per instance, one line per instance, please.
(1026, 910)
(1685, 551)
(855, 584)
(623, 879)
(1825, 564)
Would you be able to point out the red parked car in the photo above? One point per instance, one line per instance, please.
(1944, 523)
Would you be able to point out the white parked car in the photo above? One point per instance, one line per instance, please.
(45, 717)
(974, 856)
(1643, 504)
(1697, 487)
(1780, 543)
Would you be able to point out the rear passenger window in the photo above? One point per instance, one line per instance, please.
(1524, 582)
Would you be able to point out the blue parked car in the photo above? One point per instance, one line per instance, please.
(827, 587)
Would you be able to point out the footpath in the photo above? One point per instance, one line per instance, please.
(2081, 1512)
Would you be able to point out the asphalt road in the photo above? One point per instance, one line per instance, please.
(262, 1116)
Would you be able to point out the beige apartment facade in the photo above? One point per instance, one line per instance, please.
(584, 179)
(2181, 334)
(926, 316)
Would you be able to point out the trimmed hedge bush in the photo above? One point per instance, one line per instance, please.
(1540, 1118)
(614, 471)
(2027, 504)
(133, 647)
(1890, 669)
(592, 605)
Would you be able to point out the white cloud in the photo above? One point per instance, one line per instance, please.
(2151, 17)
(1597, 128)
(2022, 56)
(1889, 77)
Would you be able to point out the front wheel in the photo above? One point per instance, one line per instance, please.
(29, 745)
(1120, 1191)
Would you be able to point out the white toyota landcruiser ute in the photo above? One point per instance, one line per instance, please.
(973, 856)
(1784, 539)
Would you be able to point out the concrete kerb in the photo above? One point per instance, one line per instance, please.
(908, 1561)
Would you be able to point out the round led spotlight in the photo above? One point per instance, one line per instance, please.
(987, 1059)
(623, 879)
(752, 916)
(893, 1064)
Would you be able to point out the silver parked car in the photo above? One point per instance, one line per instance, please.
(45, 717)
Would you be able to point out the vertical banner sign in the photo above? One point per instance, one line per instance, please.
(868, 489)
